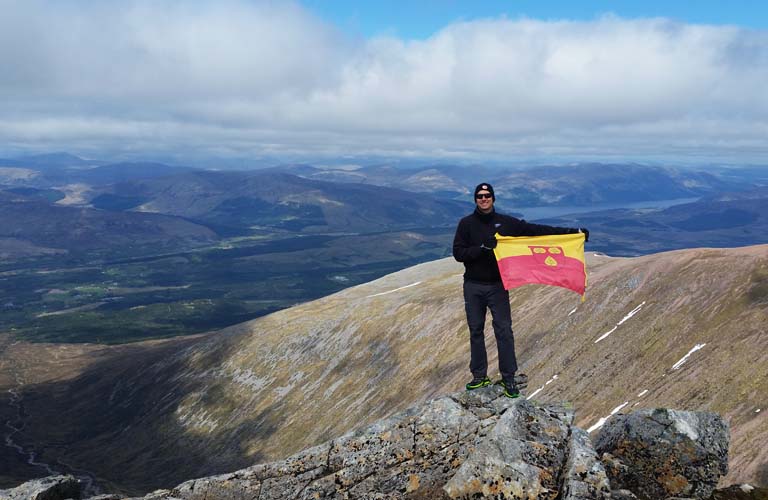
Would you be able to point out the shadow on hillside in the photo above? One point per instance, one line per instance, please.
(126, 419)
(120, 419)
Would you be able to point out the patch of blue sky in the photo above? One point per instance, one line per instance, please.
(421, 19)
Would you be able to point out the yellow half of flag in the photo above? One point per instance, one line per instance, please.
(556, 259)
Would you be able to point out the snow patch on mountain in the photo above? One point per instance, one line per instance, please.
(554, 377)
(603, 420)
(393, 291)
(625, 318)
(682, 360)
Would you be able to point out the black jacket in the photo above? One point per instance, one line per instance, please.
(477, 227)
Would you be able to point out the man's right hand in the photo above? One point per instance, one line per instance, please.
(489, 243)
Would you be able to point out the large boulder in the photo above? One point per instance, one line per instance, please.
(521, 458)
(47, 488)
(661, 453)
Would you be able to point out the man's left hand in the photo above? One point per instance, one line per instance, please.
(489, 243)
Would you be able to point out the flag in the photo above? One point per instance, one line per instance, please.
(556, 259)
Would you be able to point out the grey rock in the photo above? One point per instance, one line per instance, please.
(585, 477)
(665, 453)
(412, 478)
(225, 486)
(441, 436)
(410, 455)
(623, 495)
(155, 495)
(410, 452)
(476, 444)
(47, 488)
(162, 495)
(521, 458)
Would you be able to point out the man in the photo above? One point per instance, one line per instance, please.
(473, 245)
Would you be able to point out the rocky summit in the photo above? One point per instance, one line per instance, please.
(478, 444)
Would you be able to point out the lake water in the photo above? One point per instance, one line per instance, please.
(536, 213)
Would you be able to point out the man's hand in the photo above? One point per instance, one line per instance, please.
(489, 243)
(586, 233)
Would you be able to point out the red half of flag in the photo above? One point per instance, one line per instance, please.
(543, 267)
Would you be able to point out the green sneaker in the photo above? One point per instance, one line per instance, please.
(478, 382)
(510, 388)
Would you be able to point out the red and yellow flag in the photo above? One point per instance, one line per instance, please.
(556, 259)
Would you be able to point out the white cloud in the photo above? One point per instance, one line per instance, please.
(255, 77)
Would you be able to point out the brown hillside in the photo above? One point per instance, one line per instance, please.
(273, 386)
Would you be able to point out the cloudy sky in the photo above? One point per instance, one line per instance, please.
(318, 80)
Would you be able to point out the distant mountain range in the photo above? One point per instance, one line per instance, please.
(49, 162)
(50, 170)
(31, 225)
(198, 250)
(722, 220)
(189, 209)
(683, 329)
(233, 202)
(117, 252)
(308, 199)
(183, 210)
(573, 185)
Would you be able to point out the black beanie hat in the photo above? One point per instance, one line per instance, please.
(485, 187)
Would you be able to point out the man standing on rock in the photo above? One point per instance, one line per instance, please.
(473, 246)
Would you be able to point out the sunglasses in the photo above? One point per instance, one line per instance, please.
(483, 195)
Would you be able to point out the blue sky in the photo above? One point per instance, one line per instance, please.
(335, 81)
(422, 19)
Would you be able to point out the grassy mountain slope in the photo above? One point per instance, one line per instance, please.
(270, 387)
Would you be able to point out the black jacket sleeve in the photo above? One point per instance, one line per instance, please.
(463, 250)
(518, 227)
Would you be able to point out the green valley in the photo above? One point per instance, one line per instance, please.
(202, 289)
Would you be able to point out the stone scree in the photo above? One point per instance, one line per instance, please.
(478, 444)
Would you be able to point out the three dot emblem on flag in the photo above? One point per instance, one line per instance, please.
(554, 259)
(550, 253)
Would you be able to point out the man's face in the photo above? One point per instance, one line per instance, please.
(484, 201)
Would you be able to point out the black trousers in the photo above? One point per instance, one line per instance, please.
(478, 297)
